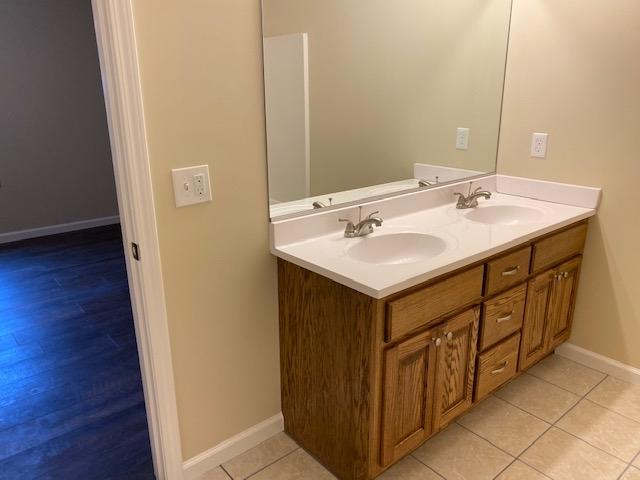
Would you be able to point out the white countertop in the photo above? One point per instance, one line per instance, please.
(324, 250)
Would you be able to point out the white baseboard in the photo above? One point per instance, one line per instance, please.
(599, 362)
(232, 447)
(55, 229)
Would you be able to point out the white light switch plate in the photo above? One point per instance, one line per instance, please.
(191, 185)
(539, 145)
(462, 139)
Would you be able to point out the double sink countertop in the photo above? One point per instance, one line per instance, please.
(424, 235)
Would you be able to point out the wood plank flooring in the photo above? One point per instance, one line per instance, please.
(71, 401)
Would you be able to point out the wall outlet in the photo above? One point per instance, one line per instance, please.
(539, 145)
(462, 139)
(191, 185)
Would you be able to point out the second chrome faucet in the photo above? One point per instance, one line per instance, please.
(363, 227)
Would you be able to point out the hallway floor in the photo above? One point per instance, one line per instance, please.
(560, 421)
(71, 401)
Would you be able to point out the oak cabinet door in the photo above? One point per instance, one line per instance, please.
(456, 367)
(537, 317)
(563, 299)
(409, 375)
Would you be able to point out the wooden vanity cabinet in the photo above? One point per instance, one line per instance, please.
(549, 312)
(366, 381)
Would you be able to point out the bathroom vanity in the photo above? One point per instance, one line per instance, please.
(378, 356)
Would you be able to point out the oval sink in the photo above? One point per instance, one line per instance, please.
(397, 248)
(505, 214)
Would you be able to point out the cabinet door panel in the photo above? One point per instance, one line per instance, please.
(456, 366)
(536, 319)
(408, 395)
(562, 302)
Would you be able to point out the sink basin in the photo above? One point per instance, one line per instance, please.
(397, 248)
(505, 214)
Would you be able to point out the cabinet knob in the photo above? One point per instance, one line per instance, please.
(565, 274)
(437, 341)
(449, 336)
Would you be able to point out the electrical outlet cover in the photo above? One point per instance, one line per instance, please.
(191, 185)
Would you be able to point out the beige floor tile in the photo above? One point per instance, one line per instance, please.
(602, 428)
(409, 469)
(564, 457)
(215, 474)
(458, 454)
(504, 425)
(298, 465)
(259, 457)
(538, 397)
(631, 474)
(520, 471)
(619, 396)
(567, 374)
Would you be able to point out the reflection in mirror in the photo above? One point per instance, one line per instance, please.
(374, 97)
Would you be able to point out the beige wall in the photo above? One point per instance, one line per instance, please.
(55, 160)
(574, 71)
(202, 86)
(391, 81)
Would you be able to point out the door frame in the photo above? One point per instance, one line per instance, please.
(115, 35)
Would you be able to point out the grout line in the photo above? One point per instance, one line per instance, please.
(554, 385)
(522, 409)
(429, 467)
(225, 472)
(276, 461)
(488, 441)
(596, 386)
(505, 468)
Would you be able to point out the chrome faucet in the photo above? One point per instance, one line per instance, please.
(363, 227)
(427, 183)
(471, 200)
(317, 204)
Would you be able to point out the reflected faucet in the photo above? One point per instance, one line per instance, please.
(427, 183)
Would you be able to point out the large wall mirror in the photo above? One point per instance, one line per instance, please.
(366, 98)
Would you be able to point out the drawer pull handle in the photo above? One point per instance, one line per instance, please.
(501, 369)
(510, 272)
(505, 318)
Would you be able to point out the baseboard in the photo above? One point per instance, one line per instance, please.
(232, 447)
(55, 229)
(599, 362)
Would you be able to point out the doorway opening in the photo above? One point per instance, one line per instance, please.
(71, 397)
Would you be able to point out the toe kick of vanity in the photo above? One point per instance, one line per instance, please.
(366, 381)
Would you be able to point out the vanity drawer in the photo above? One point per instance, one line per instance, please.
(508, 270)
(502, 316)
(422, 307)
(559, 246)
(497, 366)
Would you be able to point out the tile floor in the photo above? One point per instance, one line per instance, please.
(560, 421)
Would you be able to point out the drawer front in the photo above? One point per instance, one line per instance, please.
(497, 366)
(558, 247)
(508, 270)
(422, 307)
(502, 316)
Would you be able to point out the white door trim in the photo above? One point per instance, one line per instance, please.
(123, 97)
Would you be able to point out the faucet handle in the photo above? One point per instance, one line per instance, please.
(373, 213)
(350, 227)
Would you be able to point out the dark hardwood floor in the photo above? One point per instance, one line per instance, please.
(71, 402)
